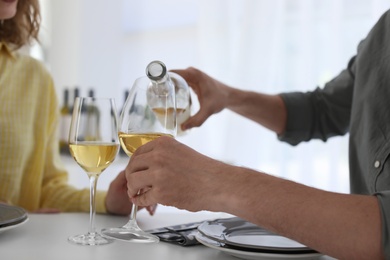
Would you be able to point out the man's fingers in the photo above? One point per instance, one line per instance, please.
(136, 182)
(151, 209)
(143, 200)
(185, 73)
(195, 121)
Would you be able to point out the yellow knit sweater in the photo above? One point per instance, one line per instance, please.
(31, 173)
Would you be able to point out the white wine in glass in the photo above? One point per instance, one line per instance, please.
(94, 144)
(149, 113)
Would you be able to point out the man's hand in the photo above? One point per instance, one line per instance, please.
(117, 200)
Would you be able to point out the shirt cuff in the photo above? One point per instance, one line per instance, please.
(299, 114)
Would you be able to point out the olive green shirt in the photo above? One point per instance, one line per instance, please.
(356, 101)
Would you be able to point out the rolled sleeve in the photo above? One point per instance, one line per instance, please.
(299, 113)
(322, 113)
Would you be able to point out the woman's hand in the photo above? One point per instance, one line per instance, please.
(117, 200)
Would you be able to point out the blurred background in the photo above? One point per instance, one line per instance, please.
(259, 45)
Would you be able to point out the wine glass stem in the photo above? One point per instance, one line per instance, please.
(133, 214)
(132, 223)
(92, 206)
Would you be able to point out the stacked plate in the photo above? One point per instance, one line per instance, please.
(245, 240)
(11, 217)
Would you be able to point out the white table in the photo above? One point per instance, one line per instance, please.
(44, 236)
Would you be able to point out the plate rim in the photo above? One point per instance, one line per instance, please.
(21, 215)
(3, 229)
(223, 239)
(260, 255)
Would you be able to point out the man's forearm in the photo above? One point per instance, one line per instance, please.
(343, 226)
(267, 110)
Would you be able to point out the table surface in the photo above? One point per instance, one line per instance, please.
(44, 236)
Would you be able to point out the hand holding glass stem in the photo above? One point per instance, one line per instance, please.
(149, 113)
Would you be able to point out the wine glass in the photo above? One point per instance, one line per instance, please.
(149, 112)
(94, 144)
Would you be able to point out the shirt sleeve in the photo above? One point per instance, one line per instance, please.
(322, 113)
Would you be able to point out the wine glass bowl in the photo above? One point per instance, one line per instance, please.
(94, 144)
(149, 113)
(93, 157)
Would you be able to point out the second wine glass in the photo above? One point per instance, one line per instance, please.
(149, 113)
(93, 143)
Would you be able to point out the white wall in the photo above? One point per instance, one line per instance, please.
(260, 45)
(92, 45)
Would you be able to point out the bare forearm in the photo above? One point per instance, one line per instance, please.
(267, 110)
(340, 225)
(343, 226)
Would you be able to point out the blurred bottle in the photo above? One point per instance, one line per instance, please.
(76, 93)
(65, 118)
(163, 80)
(93, 119)
(91, 93)
(126, 94)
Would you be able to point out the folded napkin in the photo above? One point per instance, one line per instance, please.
(183, 235)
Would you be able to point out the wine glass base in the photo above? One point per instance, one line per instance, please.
(90, 239)
(130, 235)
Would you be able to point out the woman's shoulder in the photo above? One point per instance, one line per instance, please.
(23, 60)
(31, 63)
(36, 70)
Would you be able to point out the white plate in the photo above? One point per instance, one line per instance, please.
(252, 255)
(242, 235)
(13, 226)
